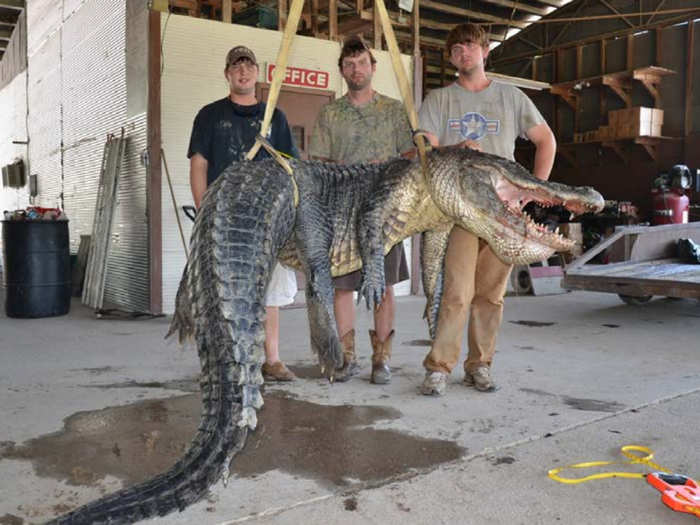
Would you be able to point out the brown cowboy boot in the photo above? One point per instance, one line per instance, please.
(349, 367)
(381, 353)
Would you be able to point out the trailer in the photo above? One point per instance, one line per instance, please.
(645, 264)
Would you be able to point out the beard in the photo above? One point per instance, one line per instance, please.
(359, 84)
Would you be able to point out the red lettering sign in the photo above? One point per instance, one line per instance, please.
(297, 76)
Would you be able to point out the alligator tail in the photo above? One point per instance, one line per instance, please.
(246, 217)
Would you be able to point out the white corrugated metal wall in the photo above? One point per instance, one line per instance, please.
(194, 51)
(77, 95)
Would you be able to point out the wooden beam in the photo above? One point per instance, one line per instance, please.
(314, 18)
(333, 20)
(377, 21)
(415, 21)
(368, 14)
(579, 62)
(519, 6)
(689, 72)
(603, 57)
(468, 13)
(621, 15)
(226, 11)
(630, 52)
(658, 46)
(282, 12)
(153, 188)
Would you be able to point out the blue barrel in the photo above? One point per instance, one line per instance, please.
(36, 263)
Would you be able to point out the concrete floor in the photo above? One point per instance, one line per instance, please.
(89, 404)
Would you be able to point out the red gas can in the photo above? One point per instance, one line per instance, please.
(669, 206)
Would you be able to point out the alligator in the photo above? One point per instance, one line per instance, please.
(347, 217)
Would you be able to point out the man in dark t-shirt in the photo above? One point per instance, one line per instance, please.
(223, 132)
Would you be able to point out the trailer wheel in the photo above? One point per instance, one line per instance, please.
(635, 300)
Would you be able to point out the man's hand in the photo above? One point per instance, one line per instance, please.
(471, 144)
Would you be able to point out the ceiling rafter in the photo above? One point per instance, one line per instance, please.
(469, 13)
(622, 15)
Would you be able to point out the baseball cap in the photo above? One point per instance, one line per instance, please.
(238, 52)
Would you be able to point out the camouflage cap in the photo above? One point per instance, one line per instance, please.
(238, 52)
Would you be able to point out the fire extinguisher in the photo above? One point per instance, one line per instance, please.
(670, 204)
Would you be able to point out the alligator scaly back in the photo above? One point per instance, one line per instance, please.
(245, 218)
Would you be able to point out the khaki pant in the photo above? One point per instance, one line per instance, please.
(475, 280)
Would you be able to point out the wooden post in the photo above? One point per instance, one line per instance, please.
(226, 11)
(282, 10)
(314, 18)
(416, 31)
(418, 79)
(630, 52)
(377, 27)
(689, 72)
(153, 189)
(333, 20)
(602, 91)
(658, 45)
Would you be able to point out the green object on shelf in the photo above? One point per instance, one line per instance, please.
(257, 16)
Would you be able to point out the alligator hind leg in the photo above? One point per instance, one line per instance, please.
(432, 261)
(312, 250)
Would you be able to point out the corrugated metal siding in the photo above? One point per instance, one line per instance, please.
(13, 115)
(193, 62)
(44, 119)
(77, 95)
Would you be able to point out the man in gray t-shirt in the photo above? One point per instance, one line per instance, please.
(478, 113)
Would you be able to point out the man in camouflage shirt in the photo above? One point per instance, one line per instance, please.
(363, 126)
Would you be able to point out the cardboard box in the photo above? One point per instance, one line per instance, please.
(635, 122)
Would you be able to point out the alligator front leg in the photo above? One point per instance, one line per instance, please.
(371, 241)
(313, 244)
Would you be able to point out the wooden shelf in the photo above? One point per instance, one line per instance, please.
(620, 146)
(619, 82)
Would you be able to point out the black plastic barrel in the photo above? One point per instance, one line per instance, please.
(37, 271)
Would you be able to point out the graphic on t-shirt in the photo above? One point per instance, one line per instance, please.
(473, 126)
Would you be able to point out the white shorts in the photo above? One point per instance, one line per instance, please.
(282, 287)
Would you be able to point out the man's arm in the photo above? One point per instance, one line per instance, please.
(545, 149)
(198, 177)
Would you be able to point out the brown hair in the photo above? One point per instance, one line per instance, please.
(354, 45)
(466, 33)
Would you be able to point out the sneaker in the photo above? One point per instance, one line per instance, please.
(277, 372)
(434, 384)
(480, 378)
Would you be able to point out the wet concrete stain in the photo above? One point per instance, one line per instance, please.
(350, 504)
(503, 460)
(611, 325)
(526, 347)
(593, 405)
(184, 385)
(11, 519)
(536, 392)
(330, 444)
(533, 323)
(418, 342)
(96, 371)
(577, 403)
(306, 371)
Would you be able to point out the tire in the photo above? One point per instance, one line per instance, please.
(635, 300)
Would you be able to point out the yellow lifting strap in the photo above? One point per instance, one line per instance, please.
(629, 451)
(277, 77)
(402, 81)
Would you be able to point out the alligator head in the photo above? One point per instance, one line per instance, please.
(488, 194)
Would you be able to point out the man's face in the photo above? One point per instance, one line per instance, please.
(357, 70)
(242, 77)
(468, 56)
